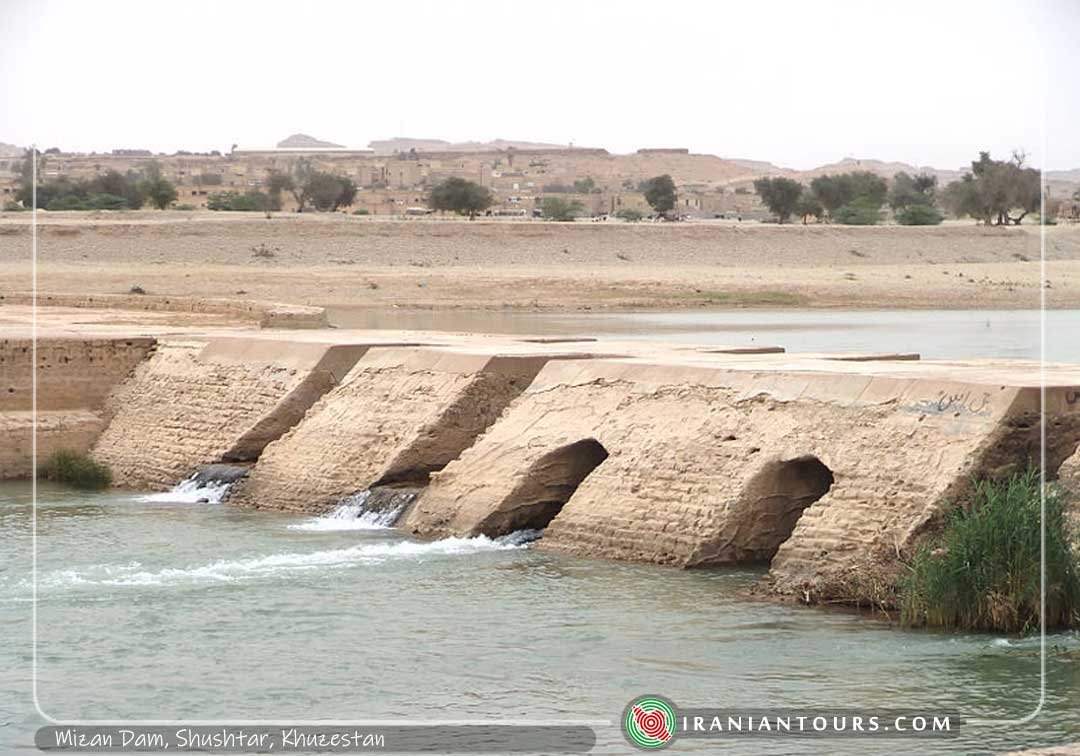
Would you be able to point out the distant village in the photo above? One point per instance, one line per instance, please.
(393, 177)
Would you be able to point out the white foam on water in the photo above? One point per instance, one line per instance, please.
(188, 491)
(277, 565)
(351, 514)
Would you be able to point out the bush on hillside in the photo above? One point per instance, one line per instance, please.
(982, 572)
(76, 470)
(859, 212)
(919, 215)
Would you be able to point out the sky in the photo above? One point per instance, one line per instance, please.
(795, 83)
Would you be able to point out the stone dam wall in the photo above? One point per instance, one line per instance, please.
(203, 401)
(828, 476)
(827, 468)
(74, 377)
(398, 417)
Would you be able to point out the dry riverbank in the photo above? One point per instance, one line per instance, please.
(346, 262)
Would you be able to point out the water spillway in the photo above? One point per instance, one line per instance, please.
(200, 401)
(397, 417)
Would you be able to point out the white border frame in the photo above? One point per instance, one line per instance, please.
(977, 721)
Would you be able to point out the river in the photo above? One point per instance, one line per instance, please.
(157, 608)
(934, 334)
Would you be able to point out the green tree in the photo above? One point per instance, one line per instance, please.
(832, 191)
(994, 189)
(808, 205)
(908, 190)
(300, 172)
(119, 185)
(842, 189)
(159, 192)
(585, 185)
(155, 188)
(328, 191)
(26, 167)
(559, 209)
(460, 196)
(868, 187)
(276, 183)
(780, 195)
(659, 192)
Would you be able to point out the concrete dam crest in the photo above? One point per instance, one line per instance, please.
(827, 468)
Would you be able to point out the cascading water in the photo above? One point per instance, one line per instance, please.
(191, 491)
(366, 510)
(209, 485)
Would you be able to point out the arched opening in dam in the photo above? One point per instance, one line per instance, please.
(774, 500)
(546, 486)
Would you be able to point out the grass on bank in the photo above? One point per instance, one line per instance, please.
(982, 572)
(76, 470)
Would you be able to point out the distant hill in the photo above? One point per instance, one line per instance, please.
(1072, 176)
(305, 142)
(882, 168)
(404, 144)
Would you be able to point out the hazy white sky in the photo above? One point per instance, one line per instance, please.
(797, 83)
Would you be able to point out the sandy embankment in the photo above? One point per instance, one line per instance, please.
(345, 262)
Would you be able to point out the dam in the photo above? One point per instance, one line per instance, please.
(826, 468)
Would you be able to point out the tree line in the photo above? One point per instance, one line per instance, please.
(1000, 192)
(111, 190)
(458, 195)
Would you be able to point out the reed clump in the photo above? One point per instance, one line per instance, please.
(76, 470)
(982, 571)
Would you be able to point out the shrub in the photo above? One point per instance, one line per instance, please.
(253, 201)
(76, 470)
(105, 201)
(361, 211)
(67, 202)
(859, 212)
(559, 209)
(982, 572)
(629, 214)
(919, 215)
(11, 206)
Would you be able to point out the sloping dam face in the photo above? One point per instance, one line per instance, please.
(223, 400)
(828, 475)
(399, 416)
